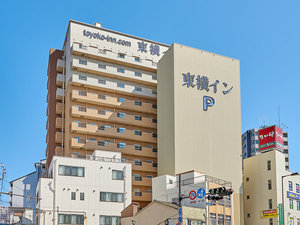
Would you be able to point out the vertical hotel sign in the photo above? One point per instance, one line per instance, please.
(270, 138)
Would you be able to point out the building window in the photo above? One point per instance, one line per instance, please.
(137, 132)
(220, 219)
(248, 197)
(101, 81)
(270, 204)
(122, 100)
(121, 70)
(121, 85)
(70, 219)
(298, 205)
(111, 197)
(110, 220)
(82, 77)
(154, 120)
(137, 74)
(73, 195)
(248, 215)
(285, 143)
(291, 203)
(154, 77)
(136, 117)
(269, 164)
(81, 196)
(81, 46)
(139, 103)
(137, 177)
(121, 55)
(82, 62)
(121, 145)
(137, 88)
(154, 92)
(290, 186)
(137, 59)
(71, 171)
(117, 175)
(269, 184)
(271, 221)
(154, 135)
(297, 188)
(154, 106)
(101, 66)
(137, 147)
(121, 130)
(285, 134)
(286, 159)
(121, 115)
(82, 93)
(137, 162)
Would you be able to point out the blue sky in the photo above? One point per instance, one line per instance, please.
(264, 35)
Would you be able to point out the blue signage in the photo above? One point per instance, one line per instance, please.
(180, 215)
(293, 195)
(201, 193)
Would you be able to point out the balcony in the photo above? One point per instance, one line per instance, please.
(127, 150)
(112, 57)
(59, 94)
(58, 137)
(141, 196)
(59, 107)
(60, 79)
(58, 150)
(145, 166)
(145, 181)
(113, 117)
(58, 122)
(113, 132)
(60, 65)
(110, 101)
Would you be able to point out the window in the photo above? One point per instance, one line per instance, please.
(291, 203)
(286, 159)
(154, 135)
(298, 205)
(248, 197)
(83, 93)
(81, 196)
(121, 115)
(137, 88)
(110, 220)
(154, 106)
(256, 142)
(117, 175)
(137, 59)
(290, 186)
(137, 177)
(137, 74)
(121, 100)
(137, 147)
(269, 184)
(269, 164)
(154, 120)
(154, 92)
(121, 70)
(285, 134)
(297, 188)
(220, 219)
(270, 204)
(271, 221)
(82, 62)
(101, 81)
(137, 162)
(82, 46)
(285, 143)
(121, 145)
(121, 55)
(154, 149)
(149, 176)
(136, 117)
(111, 197)
(248, 215)
(121, 85)
(82, 77)
(137, 132)
(71, 171)
(139, 103)
(121, 130)
(154, 77)
(73, 195)
(70, 219)
(101, 66)
(92, 139)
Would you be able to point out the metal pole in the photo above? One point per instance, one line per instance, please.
(179, 197)
(282, 192)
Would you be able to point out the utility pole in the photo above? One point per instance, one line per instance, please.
(179, 199)
(3, 174)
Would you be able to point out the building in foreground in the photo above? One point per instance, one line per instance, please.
(199, 117)
(162, 213)
(250, 146)
(263, 198)
(165, 188)
(102, 94)
(92, 190)
(22, 201)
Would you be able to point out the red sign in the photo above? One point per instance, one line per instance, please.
(192, 195)
(270, 137)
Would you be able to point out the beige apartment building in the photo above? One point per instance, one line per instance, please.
(102, 95)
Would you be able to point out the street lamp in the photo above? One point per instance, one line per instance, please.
(292, 174)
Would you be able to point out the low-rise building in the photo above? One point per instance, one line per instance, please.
(265, 202)
(91, 190)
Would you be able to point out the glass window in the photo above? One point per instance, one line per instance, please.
(137, 162)
(269, 184)
(137, 59)
(270, 204)
(136, 117)
(110, 220)
(121, 100)
(121, 115)
(111, 197)
(121, 55)
(121, 130)
(137, 132)
(297, 188)
(101, 81)
(81, 196)
(137, 74)
(121, 85)
(83, 62)
(137, 147)
(121, 145)
(120, 70)
(82, 77)
(290, 186)
(73, 195)
(71, 171)
(269, 164)
(291, 203)
(139, 103)
(298, 205)
(154, 77)
(154, 92)
(101, 66)
(117, 175)
(137, 88)
(271, 221)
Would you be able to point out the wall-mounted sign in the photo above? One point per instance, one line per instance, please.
(195, 196)
(202, 83)
(293, 195)
(270, 137)
(269, 213)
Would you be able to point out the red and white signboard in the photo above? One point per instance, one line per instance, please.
(270, 138)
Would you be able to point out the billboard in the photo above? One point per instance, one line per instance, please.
(270, 138)
(269, 213)
(195, 196)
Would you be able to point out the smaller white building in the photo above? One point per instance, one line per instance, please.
(92, 190)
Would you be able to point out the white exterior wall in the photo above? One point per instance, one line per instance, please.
(98, 178)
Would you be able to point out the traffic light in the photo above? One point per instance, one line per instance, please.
(214, 197)
(219, 193)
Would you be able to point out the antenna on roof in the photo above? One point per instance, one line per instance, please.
(278, 115)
